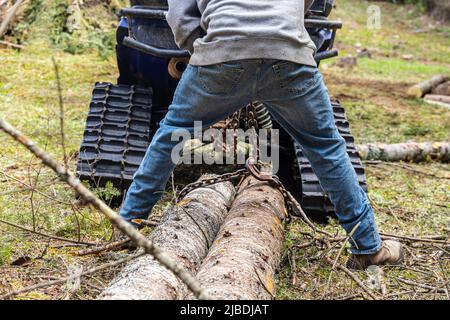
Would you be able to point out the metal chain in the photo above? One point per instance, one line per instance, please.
(293, 208)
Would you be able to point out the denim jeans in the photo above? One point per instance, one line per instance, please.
(297, 99)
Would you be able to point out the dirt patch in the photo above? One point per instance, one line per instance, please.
(345, 88)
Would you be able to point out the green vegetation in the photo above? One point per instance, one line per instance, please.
(373, 92)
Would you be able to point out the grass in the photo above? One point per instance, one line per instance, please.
(373, 93)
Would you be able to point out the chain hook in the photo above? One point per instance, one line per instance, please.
(255, 172)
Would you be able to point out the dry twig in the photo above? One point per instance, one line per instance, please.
(48, 235)
(107, 247)
(63, 280)
(139, 239)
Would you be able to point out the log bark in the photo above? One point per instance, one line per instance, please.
(420, 89)
(437, 98)
(443, 89)
(410, 151)
(9, 17)
(186, 232)
(241, 263)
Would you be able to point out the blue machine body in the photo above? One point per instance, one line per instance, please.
(138, 67)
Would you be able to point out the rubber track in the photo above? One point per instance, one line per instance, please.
(120, 125)
(313, 198)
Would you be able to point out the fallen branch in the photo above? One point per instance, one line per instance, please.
(186, 232)
(146, 223)
(106, 247)
(9, 17)
(139, 239)
(66, 279)
(387, 236)
(61, 113)
(13, 45)
(405, 167)
(423, 286)
(45, 235)
(410, 151)
(31, 188)
(353, 276)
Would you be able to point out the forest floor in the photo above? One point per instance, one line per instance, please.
(409, 199)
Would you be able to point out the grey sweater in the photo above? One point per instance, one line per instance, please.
(215, 31)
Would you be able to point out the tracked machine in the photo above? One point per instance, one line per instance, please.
(124, 117)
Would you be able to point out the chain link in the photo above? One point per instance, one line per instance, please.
(248, 116)
(210, 181)
(293, 208)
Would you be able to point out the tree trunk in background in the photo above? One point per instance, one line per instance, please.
(186, 232)
(241, 263)
(420, 89)
(443, 89)
(410, 151)
(437, 98)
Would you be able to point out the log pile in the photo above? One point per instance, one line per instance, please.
(242, 262)
(237, 261)
(435, 91)
(186, 232)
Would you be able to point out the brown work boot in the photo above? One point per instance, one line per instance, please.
(391, 252)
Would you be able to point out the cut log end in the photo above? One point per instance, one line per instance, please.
(420, 89)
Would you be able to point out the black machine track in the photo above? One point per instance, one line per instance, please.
(119, 127)
(313, 199)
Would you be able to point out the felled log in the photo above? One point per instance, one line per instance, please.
(9, 17)
(410, 151)
(437, 98)
(186, 232)
(442, 89)
(420, 89)
(241, 263)
(12, 45)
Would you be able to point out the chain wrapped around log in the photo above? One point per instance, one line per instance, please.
(185, 232)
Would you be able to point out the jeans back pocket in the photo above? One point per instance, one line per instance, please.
(220, 79)
(295, 78)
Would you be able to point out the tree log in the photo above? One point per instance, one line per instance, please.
(241, 263)
(420, 89)
(443, 89)
(186, 232)
(410, 151)
(437, 98)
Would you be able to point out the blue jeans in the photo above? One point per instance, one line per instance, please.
(298, 100)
